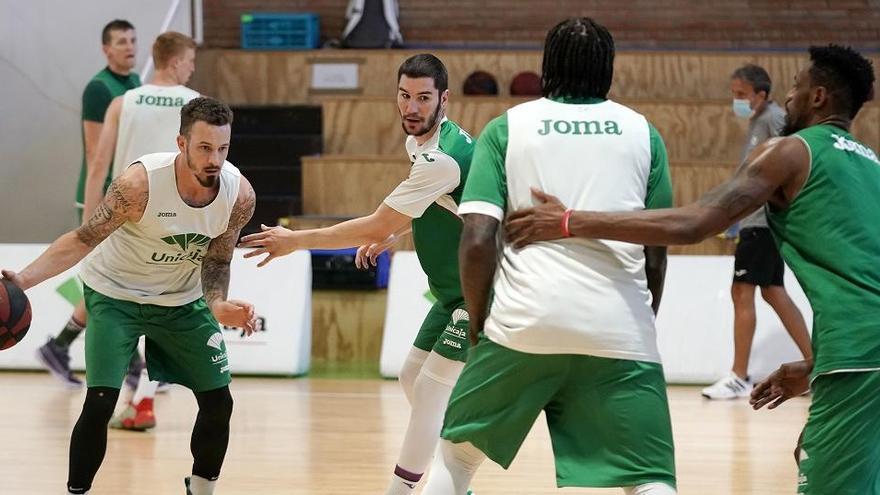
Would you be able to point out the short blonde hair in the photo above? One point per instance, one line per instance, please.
(169, 45)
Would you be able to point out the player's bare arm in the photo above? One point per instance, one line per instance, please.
(215, 265)
(655, 273)
(101, 156)
(774, 173)
(371, 229)
(126, 200)
(478, 260)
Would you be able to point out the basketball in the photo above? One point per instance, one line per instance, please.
(15, 314)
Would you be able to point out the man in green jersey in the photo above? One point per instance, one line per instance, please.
(120, 47)
(821, 188)
(427, 201)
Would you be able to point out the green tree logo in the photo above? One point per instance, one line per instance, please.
(184, 241)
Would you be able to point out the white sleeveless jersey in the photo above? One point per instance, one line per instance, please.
(578, 296)
(149, 122)
(158, 260)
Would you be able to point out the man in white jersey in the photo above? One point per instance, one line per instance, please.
(141, 121)
(570, 329)
(427, 201)
(135, 123)
(157, 252)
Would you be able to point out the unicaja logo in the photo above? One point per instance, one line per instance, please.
(460, 315)
(216, 341)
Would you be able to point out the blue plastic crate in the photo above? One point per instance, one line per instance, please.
(279, 31)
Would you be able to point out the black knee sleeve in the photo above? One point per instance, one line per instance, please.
(211, 432)
(88, 442)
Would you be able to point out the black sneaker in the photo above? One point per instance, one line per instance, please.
(186, 483)
(56, 359)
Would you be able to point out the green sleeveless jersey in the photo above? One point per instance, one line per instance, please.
(96, 98)
(830, 238)
(440, 168)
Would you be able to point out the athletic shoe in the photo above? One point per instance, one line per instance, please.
(729, 387)
(136, 418)
(186, 484)
(56, 359)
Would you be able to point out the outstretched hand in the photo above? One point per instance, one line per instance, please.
(542, 222)
(274, 241)
(790, 380)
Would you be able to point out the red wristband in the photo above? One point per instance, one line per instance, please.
(565, 219)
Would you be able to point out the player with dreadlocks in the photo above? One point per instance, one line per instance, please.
(570, 330)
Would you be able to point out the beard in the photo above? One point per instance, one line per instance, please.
(432, 120)
(208, 181)
(791, 126)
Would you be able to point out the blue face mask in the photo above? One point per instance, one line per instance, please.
(742, 109)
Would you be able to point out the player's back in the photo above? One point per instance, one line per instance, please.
(576, 295)
(149, 122)
(829, 237)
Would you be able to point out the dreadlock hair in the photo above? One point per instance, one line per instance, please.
(578, 60)
(845, 73)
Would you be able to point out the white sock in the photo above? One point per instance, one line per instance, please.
(146, 389)
(453, 470)
(430, 396)
(650, 489)
(201, 486)
(401, 486)
(410, 371)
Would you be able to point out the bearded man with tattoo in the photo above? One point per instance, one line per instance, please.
(156, 254)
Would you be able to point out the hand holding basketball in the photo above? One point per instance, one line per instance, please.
(15, 311)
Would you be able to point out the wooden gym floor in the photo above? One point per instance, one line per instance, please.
(323, 436)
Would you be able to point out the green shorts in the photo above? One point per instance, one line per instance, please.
(841, 446)
(184, 343)
(445, 331)
(608, 418)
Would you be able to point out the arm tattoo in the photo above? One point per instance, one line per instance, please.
(738, 197)
(215, 266)
(123, 201)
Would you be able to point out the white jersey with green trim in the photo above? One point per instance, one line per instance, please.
(571, 296)
(149, 122)
(158, 259)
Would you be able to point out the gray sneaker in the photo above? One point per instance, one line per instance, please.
(56, 359)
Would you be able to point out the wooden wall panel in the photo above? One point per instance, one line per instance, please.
(347, 331)
(248, 77)
(689, 182)
(349, 185)
(692, 130)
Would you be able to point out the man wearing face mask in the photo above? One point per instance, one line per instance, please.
(757, 262)
(426, 202)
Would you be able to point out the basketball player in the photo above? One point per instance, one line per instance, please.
(157, 253)
(757, 262)
(119, 44)
(821, 188)
(427, 201)
(571, 326)
(143, 120)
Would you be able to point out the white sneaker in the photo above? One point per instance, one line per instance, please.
(729, 387)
